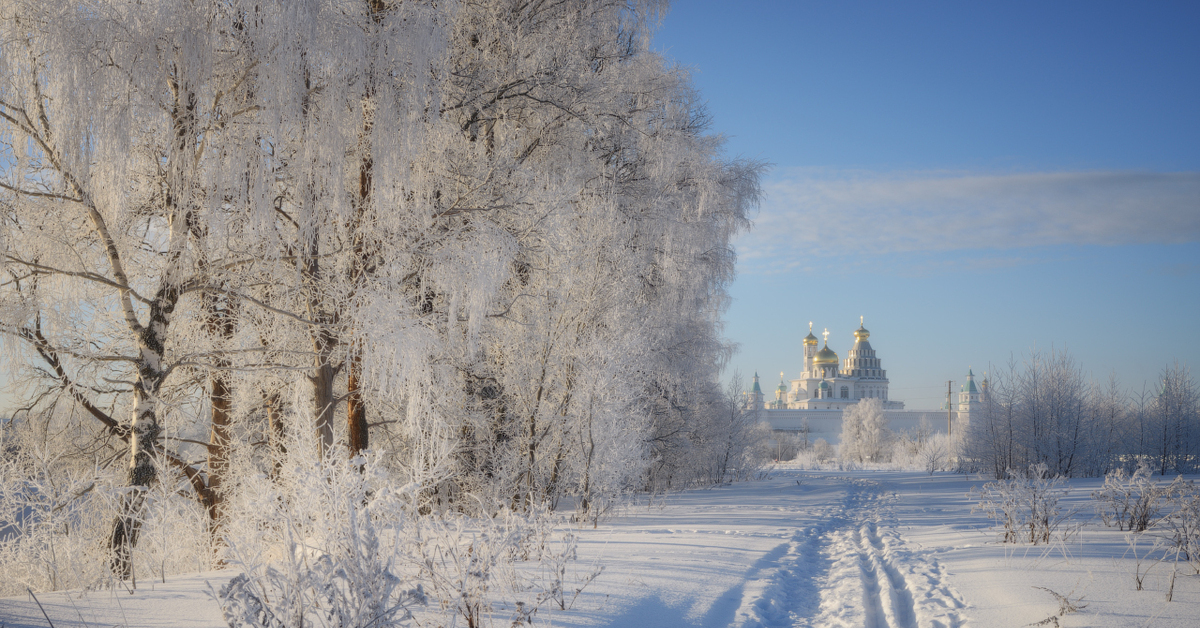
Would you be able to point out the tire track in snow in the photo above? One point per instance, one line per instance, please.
(901, 599)
(845, 572)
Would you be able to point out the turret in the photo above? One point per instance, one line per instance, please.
(810, 349)
(780, 395)
(969, 396)
(754, 398)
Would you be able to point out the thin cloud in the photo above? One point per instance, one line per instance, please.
(809, 213)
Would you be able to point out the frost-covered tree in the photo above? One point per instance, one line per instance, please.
(865, 434)
(1046, 412)
(1176, 419)
(120, 123)
(489, 238)
(585, 160)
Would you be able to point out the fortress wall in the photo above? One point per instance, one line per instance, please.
(827, 424)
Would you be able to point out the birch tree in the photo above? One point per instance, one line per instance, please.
(111, 120)
(493, 234)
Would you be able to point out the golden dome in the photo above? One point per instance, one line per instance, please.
(810, 339)
(825, 356)
(861, 333)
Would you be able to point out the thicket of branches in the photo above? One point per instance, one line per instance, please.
(488, 239)
(1046, 411)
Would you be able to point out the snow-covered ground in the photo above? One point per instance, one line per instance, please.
(803, 548)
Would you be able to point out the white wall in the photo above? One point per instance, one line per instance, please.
(827, 424)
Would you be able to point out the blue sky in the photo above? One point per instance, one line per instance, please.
(979, 180)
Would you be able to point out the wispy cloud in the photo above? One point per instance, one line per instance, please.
(810, 214)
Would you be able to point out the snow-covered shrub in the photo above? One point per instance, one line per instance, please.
(319, 546)
(934, 454)
(53, 522)
(504, 567)
(1135, 502)
(1026, 505)
(336, 543)
(57, 511)
(1181, 528)
(822, 450)
(788, 446)
(174, 535)
(920, 448)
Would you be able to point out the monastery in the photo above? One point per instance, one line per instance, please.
(813, 403)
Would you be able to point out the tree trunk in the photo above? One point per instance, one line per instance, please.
(144, 433)
(218, 444)
(142, 440)
(356, 412)
(220, 327)
(322, 383)
(275, 433)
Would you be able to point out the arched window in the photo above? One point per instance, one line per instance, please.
(845, 392)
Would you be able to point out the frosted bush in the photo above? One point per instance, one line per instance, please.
(334, 544)
(501, 568)
(822, 450)
(921, 449)
(934, 454)
(56, 518)
(1135, 502)
(52, 524)
(1025, 505)
(319, 546)
(1184, 524)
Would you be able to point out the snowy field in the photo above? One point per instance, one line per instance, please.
(802, 548)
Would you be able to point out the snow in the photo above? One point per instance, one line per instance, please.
(801, 548)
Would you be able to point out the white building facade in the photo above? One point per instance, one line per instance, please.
(813, 403)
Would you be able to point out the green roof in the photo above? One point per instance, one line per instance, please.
(969, 387)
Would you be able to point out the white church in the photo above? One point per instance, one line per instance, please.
(813, 403)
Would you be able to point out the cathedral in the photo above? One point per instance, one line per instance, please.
(824, 385)
(813, 403)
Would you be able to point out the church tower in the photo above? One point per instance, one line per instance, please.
(970, 397)
(865, 368)
(780, 402)
(828, 383)
(754, 398)
(810, 349)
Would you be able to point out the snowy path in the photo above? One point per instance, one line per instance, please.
(863, 571)
(801, 549)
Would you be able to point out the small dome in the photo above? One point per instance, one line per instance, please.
(810, 339)
(823, 386)
(825, 356)
(861, 333)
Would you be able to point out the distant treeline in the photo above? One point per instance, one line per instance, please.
(1045, 410)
